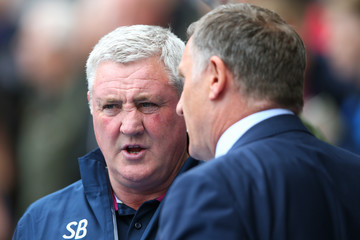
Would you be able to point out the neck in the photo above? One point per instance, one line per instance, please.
(236, 109)
(134, 197)
(136, 200)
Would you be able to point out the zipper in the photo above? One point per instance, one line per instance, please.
(113, 213)
(116, 236)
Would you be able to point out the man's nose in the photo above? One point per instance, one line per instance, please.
(179, 108)
(131, 123)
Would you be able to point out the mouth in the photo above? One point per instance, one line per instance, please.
(133, 149)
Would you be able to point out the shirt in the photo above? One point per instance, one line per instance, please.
(131, 223)
(238, 129)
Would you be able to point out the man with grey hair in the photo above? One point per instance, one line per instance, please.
(133, 90)
(270, 177)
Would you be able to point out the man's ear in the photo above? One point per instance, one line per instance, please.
(219, 77)
(88, 96)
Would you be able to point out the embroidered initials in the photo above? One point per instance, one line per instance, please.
(80, 231)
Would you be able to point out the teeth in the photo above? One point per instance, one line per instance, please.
(134, 149)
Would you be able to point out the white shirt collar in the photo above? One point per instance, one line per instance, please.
(235, 131)
(117, 200)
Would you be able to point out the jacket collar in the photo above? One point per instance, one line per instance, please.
(97, 189)
(93, 171)
(271, 126)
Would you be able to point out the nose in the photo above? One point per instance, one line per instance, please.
(179, 108)
(131, 123)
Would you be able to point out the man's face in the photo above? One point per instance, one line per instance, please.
(136, 125)
(193, 105)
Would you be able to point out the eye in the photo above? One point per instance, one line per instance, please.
(147, 104)
(111, 109)
(109, 106)
(147, 107)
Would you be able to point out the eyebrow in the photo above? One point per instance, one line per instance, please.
(136, 100)
(101, 101)
(141, 99)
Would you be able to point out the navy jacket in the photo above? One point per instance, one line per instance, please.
(277, 182)
(83, 210)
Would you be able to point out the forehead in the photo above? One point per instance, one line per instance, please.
(147, 75)
(186, 59)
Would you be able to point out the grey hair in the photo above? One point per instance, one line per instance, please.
(265, 55)
(133, 43)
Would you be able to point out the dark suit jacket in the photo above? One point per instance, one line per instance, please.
(277, 182)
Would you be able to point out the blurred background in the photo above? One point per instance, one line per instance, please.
(45, 123)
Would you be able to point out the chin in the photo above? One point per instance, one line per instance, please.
(136, 176)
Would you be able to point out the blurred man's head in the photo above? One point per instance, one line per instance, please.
(43, 45)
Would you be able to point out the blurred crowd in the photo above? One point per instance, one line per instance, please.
(45, 123)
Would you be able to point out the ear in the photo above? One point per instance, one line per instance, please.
(219, 77)
(88, 96)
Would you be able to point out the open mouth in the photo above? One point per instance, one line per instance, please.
(134, 149)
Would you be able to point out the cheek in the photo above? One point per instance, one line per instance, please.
(163, 126)
(189, 108)
(105, 128)
(188, 97)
